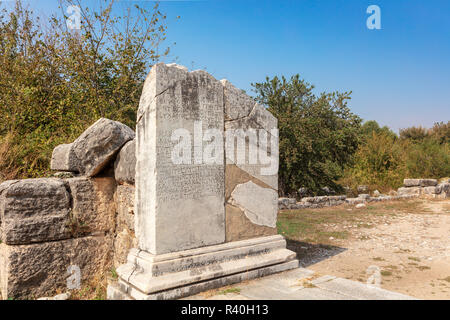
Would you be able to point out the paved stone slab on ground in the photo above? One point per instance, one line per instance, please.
(301, 284)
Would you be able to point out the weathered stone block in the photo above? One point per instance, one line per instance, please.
(428, 182)
(97, 146)
(64, 159)
(409, 190)
(124, 199)
(244, 118)
(260, 205)
(93, 207)
(179, 206)
(411, 182)
(40, 269)
(123, 242)
(125, 165)
(355, 200)
(34, 210)
(240, 227)
(286, 203)
(181, 221)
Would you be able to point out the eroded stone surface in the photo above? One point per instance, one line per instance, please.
(409, 191)
(428, 182)
(125, 238)
(123, 242)
(125, 165)
(93, 207)
(411, 182)
(124, 199)
(247, 121)
(64, 159)
(239, 227)
(36, 270)
(34, 210)
(96, 146)
(237, 103)
(177, 206)
(260, 205)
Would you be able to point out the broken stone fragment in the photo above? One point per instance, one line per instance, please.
(34, 210)
(409, 190)
(444, 190)
(125, 165)
(260, 205)
(64, 159)
(431, 190)
(123, 242)
(96, 146)
(286, 203)
(124, 199)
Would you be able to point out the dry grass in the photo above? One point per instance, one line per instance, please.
(321, 226)
(93, 290)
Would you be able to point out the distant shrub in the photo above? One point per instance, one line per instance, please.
(428, 159)
(379, 162)
(382, 160)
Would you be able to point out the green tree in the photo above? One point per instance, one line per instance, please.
(318, 134)
(379, 162)
(413, 134)
(54, 82)
(371, 126)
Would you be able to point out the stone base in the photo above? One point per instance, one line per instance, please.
(180, 274)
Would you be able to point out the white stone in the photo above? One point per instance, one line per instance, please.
(259, 204)
(64, 159)
(177, 206)
(150, 276)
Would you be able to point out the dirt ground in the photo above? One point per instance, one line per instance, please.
(403, 246)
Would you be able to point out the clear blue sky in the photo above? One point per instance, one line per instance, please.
(399, 75)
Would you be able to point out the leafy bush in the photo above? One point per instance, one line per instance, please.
(379, 162)
(54, 84)
(383, 160)
(318, 134)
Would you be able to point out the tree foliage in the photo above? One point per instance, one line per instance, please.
(318, 134)
(54, 82)
(383, 160)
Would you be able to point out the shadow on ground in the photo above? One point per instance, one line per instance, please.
(309, 254)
